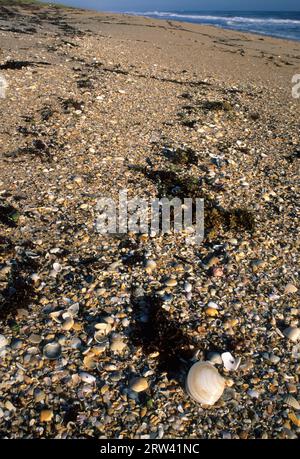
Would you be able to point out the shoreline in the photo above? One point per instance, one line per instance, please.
(260, 34)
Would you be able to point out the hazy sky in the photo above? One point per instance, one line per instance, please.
(168, 5)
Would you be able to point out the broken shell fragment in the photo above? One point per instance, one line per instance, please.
(230, 363)
(211, 312)
(294, 418)
(55, 315)
(204, 383)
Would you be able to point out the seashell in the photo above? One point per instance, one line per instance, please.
(292, 333)
(117, 345)
(68, 323)
(35, 278)
(108, 320)
(171, 282)
(150, 265)
(75, 343)
(294, 418)
(253, 393)
(99, 336)
(46, 415)
(291, 401)
(290, 288)
(57, 267)
(3, 341)
(74, 309)
(55, 316)
(211, 312)
(204, 383)
(215, 358)
(102, 328)
(139, 384)
(217, 272)
(188, 287)
(97, 350)
(89, 361)
(87, 378)
(230, 363)
(296, 352)
(52, 350)
(213, 305)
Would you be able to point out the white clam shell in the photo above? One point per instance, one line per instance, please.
(204, 383)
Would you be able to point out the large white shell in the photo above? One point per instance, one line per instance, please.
(204, 383)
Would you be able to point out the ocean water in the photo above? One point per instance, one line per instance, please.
(276, 24)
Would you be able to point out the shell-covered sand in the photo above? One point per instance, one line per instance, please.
(98, 332)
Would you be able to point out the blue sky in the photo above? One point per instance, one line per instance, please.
(168, 5)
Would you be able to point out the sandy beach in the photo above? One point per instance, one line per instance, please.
(98, 332)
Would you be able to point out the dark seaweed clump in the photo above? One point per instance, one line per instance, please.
(18, 293)
(9, 215)
(172, 184)
(159, 333)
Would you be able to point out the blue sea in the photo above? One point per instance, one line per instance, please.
(275, 24)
